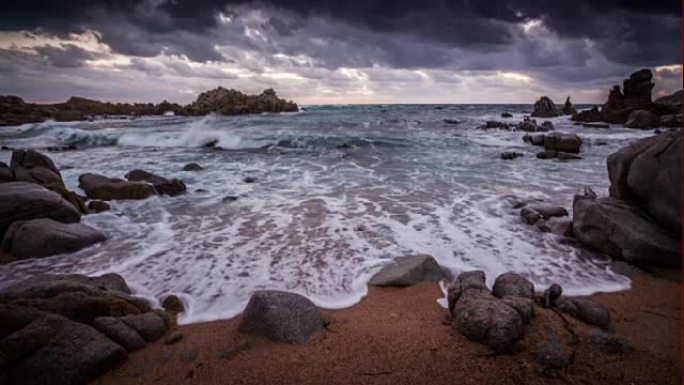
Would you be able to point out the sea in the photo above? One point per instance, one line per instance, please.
(317, 201)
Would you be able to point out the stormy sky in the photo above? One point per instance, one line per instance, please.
(336, 51)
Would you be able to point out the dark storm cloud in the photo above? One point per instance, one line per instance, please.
(66, 56)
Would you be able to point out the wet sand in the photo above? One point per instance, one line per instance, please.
(402, 336)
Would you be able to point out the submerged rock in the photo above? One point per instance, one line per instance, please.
(511, 155)
(162, 186)
(106, 189)
(192, 167)
(562, 142)
(281, 316)
(43, 237)
(409, 270)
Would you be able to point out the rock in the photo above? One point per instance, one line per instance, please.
(192, 167)
(43, 237)
(32, 166)
(409, 270)
(551, 295)
(6, 174)
(649, 172)
(77, 297)
(249, 179)
(452, 121)
(625, 268)
(76, 200)
(637, 89)
(562, 142)
(535, 140)
(674, 100)
(557, 155)
(586, 311)
(568, 108)
(671, 120)
(494, 124)
(161, 185)
(530, 216)
(106, 189)
(173, 337)
(232, 102)
(20, 201)
(506, 115)
(528, 125)
(622, 231)
(547, 126)
(552, 354)
(150, 325)
(609, 342)
(533, 213)
(119, 332)
(596, 125)
(511, 284)
(545, 108)
(59, 351)
(98, 206)
(511, 155)
(642, 119)
(480, 316)
(547, 155)
(173, 303)
(556, 225)
(524, 307)
(281, 316)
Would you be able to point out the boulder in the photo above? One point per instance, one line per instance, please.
(149, 325)
(6, 174)
(642, 119)
(511, 155)
(482, 317)
(528, 125)
(281, 316)
(32, 166)
(622, 231)
(409, 270)
(43, 237)
(547, 126)
(568, 108)
(98, 206)
(649, 172)
(589, 312)
(535, 140)
(551, 295)
(21, 201)
(119, 332)
(173, 303)
(506, 115)
(511, 284)
(106, 189)
(535, 212)
(557, 225)
(545, 108)
(562, 142)
(55, 350)
(163, 186)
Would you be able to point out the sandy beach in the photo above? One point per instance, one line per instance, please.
(403, 336)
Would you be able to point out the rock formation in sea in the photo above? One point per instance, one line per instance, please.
(14, 110)
(633, 105)
(545, 108)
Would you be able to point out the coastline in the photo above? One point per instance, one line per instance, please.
(402, 336)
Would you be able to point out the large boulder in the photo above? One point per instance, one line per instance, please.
(622, 231)
(24, 201)
(43, 237)
(558, 141)
(642, 119)
(649, 172)
(32, 166)
(281, 316)
(55, 350)
(163, 186)
(545, 108)
(103, 188)
(409, 270)
(482, 317)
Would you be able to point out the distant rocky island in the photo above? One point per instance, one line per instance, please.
(14, 110)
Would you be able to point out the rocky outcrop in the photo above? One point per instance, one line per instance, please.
(20, 201)
(545, 108)
(635, 95)
(15, 111)
(642, 119)
(497, 322)
(568, 108)
(674, 99)
(409, 270)
(69, 329)
(162, 186)
(648, 172)
(43, 237)
(103, 188)
(281, 316)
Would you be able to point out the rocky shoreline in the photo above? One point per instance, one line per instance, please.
(14, 110)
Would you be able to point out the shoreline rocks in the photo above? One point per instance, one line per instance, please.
(103, 188)
(44, 237)
(409, 270)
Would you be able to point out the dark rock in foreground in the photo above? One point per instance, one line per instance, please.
(25, 201)
(43, 237)
(281, 316)
(409, 270)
